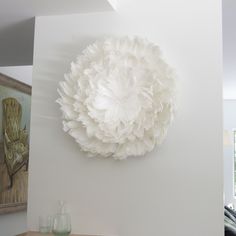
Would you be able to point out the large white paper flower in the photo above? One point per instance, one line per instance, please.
(119, 98)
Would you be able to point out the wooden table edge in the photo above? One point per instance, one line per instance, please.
(33, 233)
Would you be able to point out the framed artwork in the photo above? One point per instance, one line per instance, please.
(15, 104)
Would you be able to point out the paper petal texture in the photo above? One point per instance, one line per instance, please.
(119, 98)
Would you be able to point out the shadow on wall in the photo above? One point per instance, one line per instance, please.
(17, 40)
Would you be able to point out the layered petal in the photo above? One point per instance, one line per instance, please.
(119, 98)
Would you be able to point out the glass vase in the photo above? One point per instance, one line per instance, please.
(61, 225)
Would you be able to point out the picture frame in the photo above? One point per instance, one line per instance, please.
(14, 178)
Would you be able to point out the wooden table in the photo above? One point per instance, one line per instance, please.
(40, 234)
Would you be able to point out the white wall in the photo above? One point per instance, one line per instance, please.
(230, 125)
(229, 48)
(15, 223)
(21, 73)
(175, 190)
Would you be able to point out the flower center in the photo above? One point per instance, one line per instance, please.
(119, 99)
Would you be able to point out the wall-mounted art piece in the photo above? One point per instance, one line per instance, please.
(118, 100)
(15, 103)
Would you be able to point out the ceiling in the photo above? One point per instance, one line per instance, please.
(17, 24)
(229, 49)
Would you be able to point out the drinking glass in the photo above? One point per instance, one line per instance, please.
(45, 224)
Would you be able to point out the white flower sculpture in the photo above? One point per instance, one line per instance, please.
(119, 98)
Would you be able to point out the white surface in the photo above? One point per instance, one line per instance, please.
(229, 46)
(21, 73)
(17, 23)
(131, 103)
(170, 192)
(114, 3)
(15, 223)
(230, 125)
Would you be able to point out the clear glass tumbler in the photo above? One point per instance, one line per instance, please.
(45, 224)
